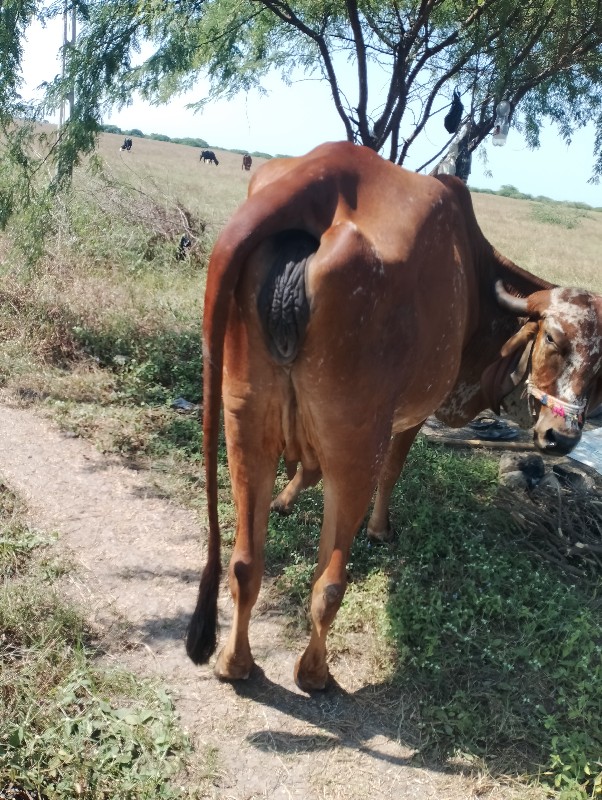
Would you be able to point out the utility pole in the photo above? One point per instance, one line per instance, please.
(69, 38)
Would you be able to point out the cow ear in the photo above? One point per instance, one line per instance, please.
(520, 339)
(506, 372)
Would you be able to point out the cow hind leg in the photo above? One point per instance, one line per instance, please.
(303, 479)
(379, 524)
(252, 486)
(345, 505)
(254, 419)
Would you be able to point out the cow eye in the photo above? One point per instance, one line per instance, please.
(549, 339)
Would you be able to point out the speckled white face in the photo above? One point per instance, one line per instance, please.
(574, 316)
(567, 356)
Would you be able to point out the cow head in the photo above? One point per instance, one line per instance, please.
(562, 336)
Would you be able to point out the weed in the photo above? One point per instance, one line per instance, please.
(566, 216)
(68, 727)
(502, 652)
(17, 540)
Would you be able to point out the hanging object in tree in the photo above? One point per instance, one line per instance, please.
(458, 157)
(454, 115)
(463, 160)
(502, 123)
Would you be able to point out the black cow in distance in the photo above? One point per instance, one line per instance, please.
(208, 156)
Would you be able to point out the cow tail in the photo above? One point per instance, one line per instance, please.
(222, 276)
(268, 212)
(201, 639)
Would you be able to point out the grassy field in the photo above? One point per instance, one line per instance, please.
(497, 651)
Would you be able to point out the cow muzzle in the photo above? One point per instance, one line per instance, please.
(558, 426)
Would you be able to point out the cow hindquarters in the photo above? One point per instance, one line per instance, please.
(351, 342)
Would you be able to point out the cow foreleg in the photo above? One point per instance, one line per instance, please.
(303, 479)
(379, 524)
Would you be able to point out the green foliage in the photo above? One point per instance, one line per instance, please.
(110, 129)
(553, 206)
(551, 212)
(567, 216)
(507, 190)
(486, 634)
(159, 137)
(149, 369)
(191, 142)
(60, 731)
(17, 540)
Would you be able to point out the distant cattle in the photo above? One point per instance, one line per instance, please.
(347, 300)
(127, 144)
(247, 162)
(208, 155)
(183, 248)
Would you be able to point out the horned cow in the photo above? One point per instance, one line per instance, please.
(347, 300)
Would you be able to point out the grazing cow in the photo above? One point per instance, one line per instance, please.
(208, 156)
(347, 300)
(247, 162)
(127, 144)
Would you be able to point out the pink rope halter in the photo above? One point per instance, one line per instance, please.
(571, 412)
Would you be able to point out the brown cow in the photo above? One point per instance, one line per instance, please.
(247, 162)
(347, 300)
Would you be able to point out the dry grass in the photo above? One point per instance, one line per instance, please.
(569, 256)
(174, 171)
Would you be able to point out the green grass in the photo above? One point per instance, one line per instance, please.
(70, 728)
(505, 652)
(499, 654)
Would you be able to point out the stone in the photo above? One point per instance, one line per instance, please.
(531, 465)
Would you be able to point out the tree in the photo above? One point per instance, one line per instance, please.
(544, 57)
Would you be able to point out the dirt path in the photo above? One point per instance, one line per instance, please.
(136, 564)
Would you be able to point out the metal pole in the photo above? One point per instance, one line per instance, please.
(64, 62)
(72, 41)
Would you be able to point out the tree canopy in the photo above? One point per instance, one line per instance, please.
(405, 58)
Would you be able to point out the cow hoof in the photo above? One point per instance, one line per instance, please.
(381, 537)
(281, 508)
(315, 681)
(232, 669)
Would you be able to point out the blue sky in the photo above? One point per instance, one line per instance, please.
(292, 119)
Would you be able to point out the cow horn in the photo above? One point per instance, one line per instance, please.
(517, 305)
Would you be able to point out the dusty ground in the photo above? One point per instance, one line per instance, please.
(136, 565)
